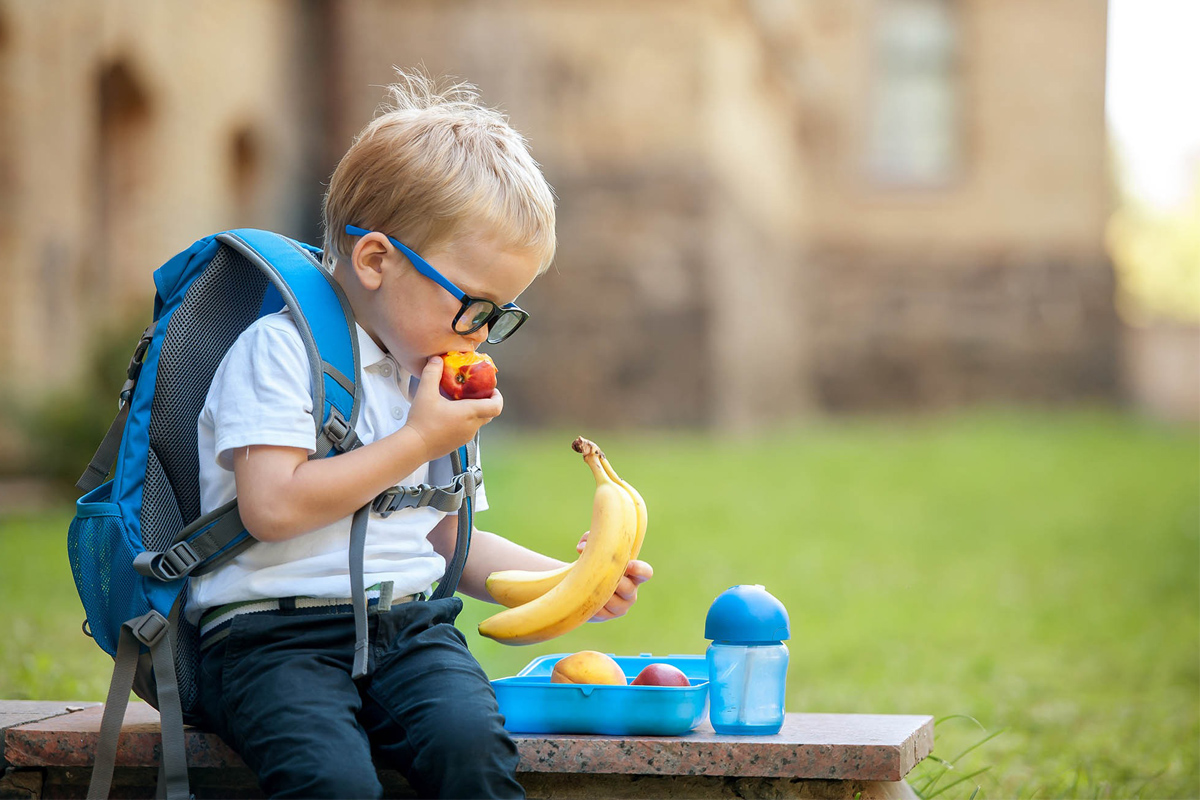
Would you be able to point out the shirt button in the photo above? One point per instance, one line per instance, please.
(385, 369)
(397, 412)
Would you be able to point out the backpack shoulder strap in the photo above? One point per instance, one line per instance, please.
(458, 497)
(326, 324)
(466, 466)
(319, 308)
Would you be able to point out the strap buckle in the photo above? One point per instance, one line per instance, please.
(339, 433)
(135, 365)
(447, 499)
(175, 562)
(179, 559)
(468, 481)
(395, 498)
(150, 628)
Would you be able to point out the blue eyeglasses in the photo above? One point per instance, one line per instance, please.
(501, 321)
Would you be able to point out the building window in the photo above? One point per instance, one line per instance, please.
(914, 135)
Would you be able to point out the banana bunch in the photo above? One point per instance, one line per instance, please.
(548, 603)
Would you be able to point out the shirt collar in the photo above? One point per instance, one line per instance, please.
(373, 357)
(369, 353)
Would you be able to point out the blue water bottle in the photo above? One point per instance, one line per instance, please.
(747, 661)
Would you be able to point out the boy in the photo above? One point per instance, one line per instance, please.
(451, 180)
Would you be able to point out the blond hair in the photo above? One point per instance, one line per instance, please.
(432, 163)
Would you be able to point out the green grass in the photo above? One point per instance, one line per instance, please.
(1030, 577)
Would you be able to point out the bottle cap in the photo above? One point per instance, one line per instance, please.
(747, 614)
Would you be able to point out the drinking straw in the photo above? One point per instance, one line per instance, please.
(750, 658)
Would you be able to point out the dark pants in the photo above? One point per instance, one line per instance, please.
(278, 690)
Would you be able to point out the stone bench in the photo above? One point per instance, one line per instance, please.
(46, 751)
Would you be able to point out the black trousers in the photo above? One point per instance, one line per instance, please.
(278, 690)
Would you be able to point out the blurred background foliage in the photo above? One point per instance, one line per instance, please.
(64, 425)
(1157, 256)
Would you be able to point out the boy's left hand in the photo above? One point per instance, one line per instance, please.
(636, 573)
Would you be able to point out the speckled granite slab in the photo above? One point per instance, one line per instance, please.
(22, 712)
(862, 747)
(70, 741)
(866, 747)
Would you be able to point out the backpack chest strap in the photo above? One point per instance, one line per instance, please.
(447, 499)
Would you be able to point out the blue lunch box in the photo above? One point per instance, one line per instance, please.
(530, 703)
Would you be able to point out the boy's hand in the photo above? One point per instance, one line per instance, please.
(445, 424)
(625, 595)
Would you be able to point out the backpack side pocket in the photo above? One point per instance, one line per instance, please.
(102, 564)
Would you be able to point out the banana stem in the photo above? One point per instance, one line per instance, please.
(591, 456)
(586, 447)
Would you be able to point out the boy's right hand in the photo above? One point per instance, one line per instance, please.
(445, 424)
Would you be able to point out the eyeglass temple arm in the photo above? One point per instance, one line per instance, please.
(421, 265)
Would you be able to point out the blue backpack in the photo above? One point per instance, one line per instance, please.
(137, 537)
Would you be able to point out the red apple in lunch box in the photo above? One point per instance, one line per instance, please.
(658, 674)
(467, 375)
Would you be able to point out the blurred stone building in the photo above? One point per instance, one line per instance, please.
(767, 207)
(128, 130)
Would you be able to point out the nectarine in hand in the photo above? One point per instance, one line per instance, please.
(467, 375)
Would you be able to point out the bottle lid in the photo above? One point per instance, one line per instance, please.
(747, 614)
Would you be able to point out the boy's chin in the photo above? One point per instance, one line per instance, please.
(413, 365)
(408, 362)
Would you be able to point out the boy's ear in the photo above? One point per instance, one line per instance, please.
(369, 259)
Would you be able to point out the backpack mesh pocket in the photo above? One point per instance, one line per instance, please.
(102, 563)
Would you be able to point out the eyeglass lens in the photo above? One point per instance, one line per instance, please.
(475, 315)
(505, 324)
(478, 314)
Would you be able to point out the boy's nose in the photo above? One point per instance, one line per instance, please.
(478, 337)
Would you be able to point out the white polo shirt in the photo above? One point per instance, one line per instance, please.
(260, 395)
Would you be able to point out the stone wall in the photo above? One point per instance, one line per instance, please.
(922, 332)
(128, 129)
(621, 321)
(681, 198)
(1160, 368)
(989, 285)
(725, 259)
